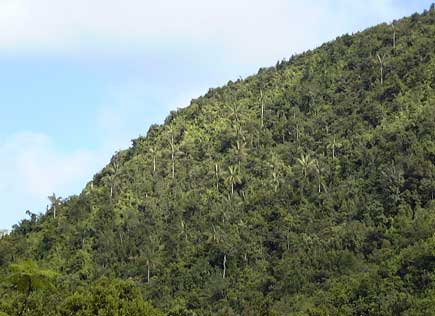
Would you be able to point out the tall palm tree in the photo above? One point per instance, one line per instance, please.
(240, 150)
(173, 149)
(333, 145)
(319, 172)
(112, 169)
(150, 253)
(281, 125)
(217, 175)
(235, 112)
(262, 108)
(55, 202)
(276, 180)
(306, 164)
(233, 178)
(381, 60)
(153, 152)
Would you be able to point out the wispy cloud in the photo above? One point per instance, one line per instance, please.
(243, 29)
(32, 167)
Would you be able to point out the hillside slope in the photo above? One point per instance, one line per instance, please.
(306, 189)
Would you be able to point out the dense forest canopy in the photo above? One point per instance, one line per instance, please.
(306, 189)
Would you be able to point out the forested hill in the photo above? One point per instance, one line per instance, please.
(306, 189)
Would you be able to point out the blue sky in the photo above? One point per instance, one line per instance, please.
(80, 79)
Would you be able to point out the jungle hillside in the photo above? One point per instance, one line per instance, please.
(306, 189)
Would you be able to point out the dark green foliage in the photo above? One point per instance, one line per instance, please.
(307, 189)
(107, 298)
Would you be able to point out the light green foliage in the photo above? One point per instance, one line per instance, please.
(27, 275)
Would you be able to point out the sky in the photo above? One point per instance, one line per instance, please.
(80, 79)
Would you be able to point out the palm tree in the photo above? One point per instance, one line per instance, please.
(306, 164)
(319, 171)
(235, 112)
(55, 201)
(172, 145)
(111, 179)
(240, 151)
(281, 125)
(27, 277)
(150, 253)
(276, 181)
(153, 152)
(220, 237)
(112, 169)
(262, 108)
(333, 145)
(381, 60)
(233, 178)
(217, 175)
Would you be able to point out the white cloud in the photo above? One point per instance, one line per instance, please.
(243, 29)
(32, 167)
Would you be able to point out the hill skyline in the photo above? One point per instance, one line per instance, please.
(117, 96)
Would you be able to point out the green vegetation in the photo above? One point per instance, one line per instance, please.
(307, 189)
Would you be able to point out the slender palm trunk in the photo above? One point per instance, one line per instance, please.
(297, 133)
(173, 156)
(262, 108)
(148, 271)
(224, 266)
(381, 64)
(262, 114)
(216, 168)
